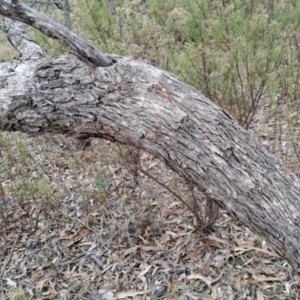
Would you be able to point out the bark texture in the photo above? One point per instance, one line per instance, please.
(135, 103)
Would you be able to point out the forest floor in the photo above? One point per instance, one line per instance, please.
(78, 222)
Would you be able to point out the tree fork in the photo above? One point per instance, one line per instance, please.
(53, 29)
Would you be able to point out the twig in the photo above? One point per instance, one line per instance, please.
(136, 163)
(88, 254)
(173, 193)
(86, 226)
(10, 255)
(38, 214)
(62, 251)
(100, 264)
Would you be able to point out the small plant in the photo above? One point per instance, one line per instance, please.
(102, 183)
(17, 294)
(174, 182)
(7, 51)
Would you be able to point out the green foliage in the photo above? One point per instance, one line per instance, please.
(231, 52)
(17, 294)
(7, 52)
(102, 183)
(53, 47)
(93, 20)
(235, 52)
(23, 172)
(22, 178)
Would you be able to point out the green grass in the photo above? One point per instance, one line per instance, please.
(17, 294)
(7, 52)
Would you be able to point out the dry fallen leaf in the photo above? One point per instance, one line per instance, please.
(125, 295)
(207, 280)
(214, 293)
(260, 295)
(243, 250)
(210, 243)
(11, 282)
(145, 271)
(238, 284)
(41, 284)
(151, 248)
(257, 278)
(51, 288)
(130, 250)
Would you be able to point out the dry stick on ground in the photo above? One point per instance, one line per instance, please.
(3, 202)
(134, 103)
(10, 255)
(38, 214)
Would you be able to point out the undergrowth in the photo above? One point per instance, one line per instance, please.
(235, 52)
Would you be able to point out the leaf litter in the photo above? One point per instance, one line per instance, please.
(78, 223)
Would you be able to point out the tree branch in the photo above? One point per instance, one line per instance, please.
(53, 29)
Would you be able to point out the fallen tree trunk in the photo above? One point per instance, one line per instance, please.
(134, 103)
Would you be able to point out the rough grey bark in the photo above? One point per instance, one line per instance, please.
(135, 103)
(21, 41)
